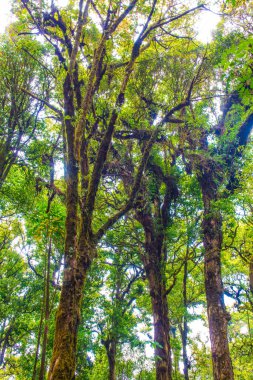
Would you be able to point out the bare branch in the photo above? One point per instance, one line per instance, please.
(161, 23)
(111, 221)
(39, 62)
(98, 13)
(82, 19)
(53, 108)
(123, 16)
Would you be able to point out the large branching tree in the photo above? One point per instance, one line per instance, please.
(88, 43)
(158, 190)
(215, 153)
(126, 101)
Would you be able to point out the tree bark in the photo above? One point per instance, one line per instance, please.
(63, 361)
(217, 316)
(5, 344)
(184, 328)
(153, 262)
(251, 275)
(38, 343)
(160, 316)
(47, 312)
(110, 347)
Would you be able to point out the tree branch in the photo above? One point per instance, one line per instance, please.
(53, 108)
(123, 16)
(111, 221)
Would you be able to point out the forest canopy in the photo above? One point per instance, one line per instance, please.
(126, 191)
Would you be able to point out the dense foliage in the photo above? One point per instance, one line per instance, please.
(126, 192)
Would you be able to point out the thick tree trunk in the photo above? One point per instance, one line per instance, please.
(63, 362)
(217, 316)
(153, 262)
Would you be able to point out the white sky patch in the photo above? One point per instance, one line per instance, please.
(230, 303)
(244, 330)
(59, 170)
(5, 14)
(63, 3)
(206, 24)
(198, 328)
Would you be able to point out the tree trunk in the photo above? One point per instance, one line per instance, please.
(111, 356)
(153, 262)
(47, 313)
(184, 328)
(38, 343)
(161, 325)
(251, 275)
(63, 361)
(217, 316)
(5, 344)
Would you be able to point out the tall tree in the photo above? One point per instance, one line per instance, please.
(127, 106)
(85, 127)
(216, 166)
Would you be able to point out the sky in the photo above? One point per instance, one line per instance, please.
(5, 6)
(205, 26)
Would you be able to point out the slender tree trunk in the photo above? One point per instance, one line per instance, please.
(176, 359)
(38, 343)
(111, 347)
(251, 275)
(217, 316)
(184, 329)
(5, 345)
(47, 313)
(184, 345)
(161, 325)
(153, 262)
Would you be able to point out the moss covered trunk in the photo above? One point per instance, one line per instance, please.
(76, 259)
(161, 327)
(111, 348)
(217, 316)
(67, 320)
(63, 361)
(154, 265)
(160, 314)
